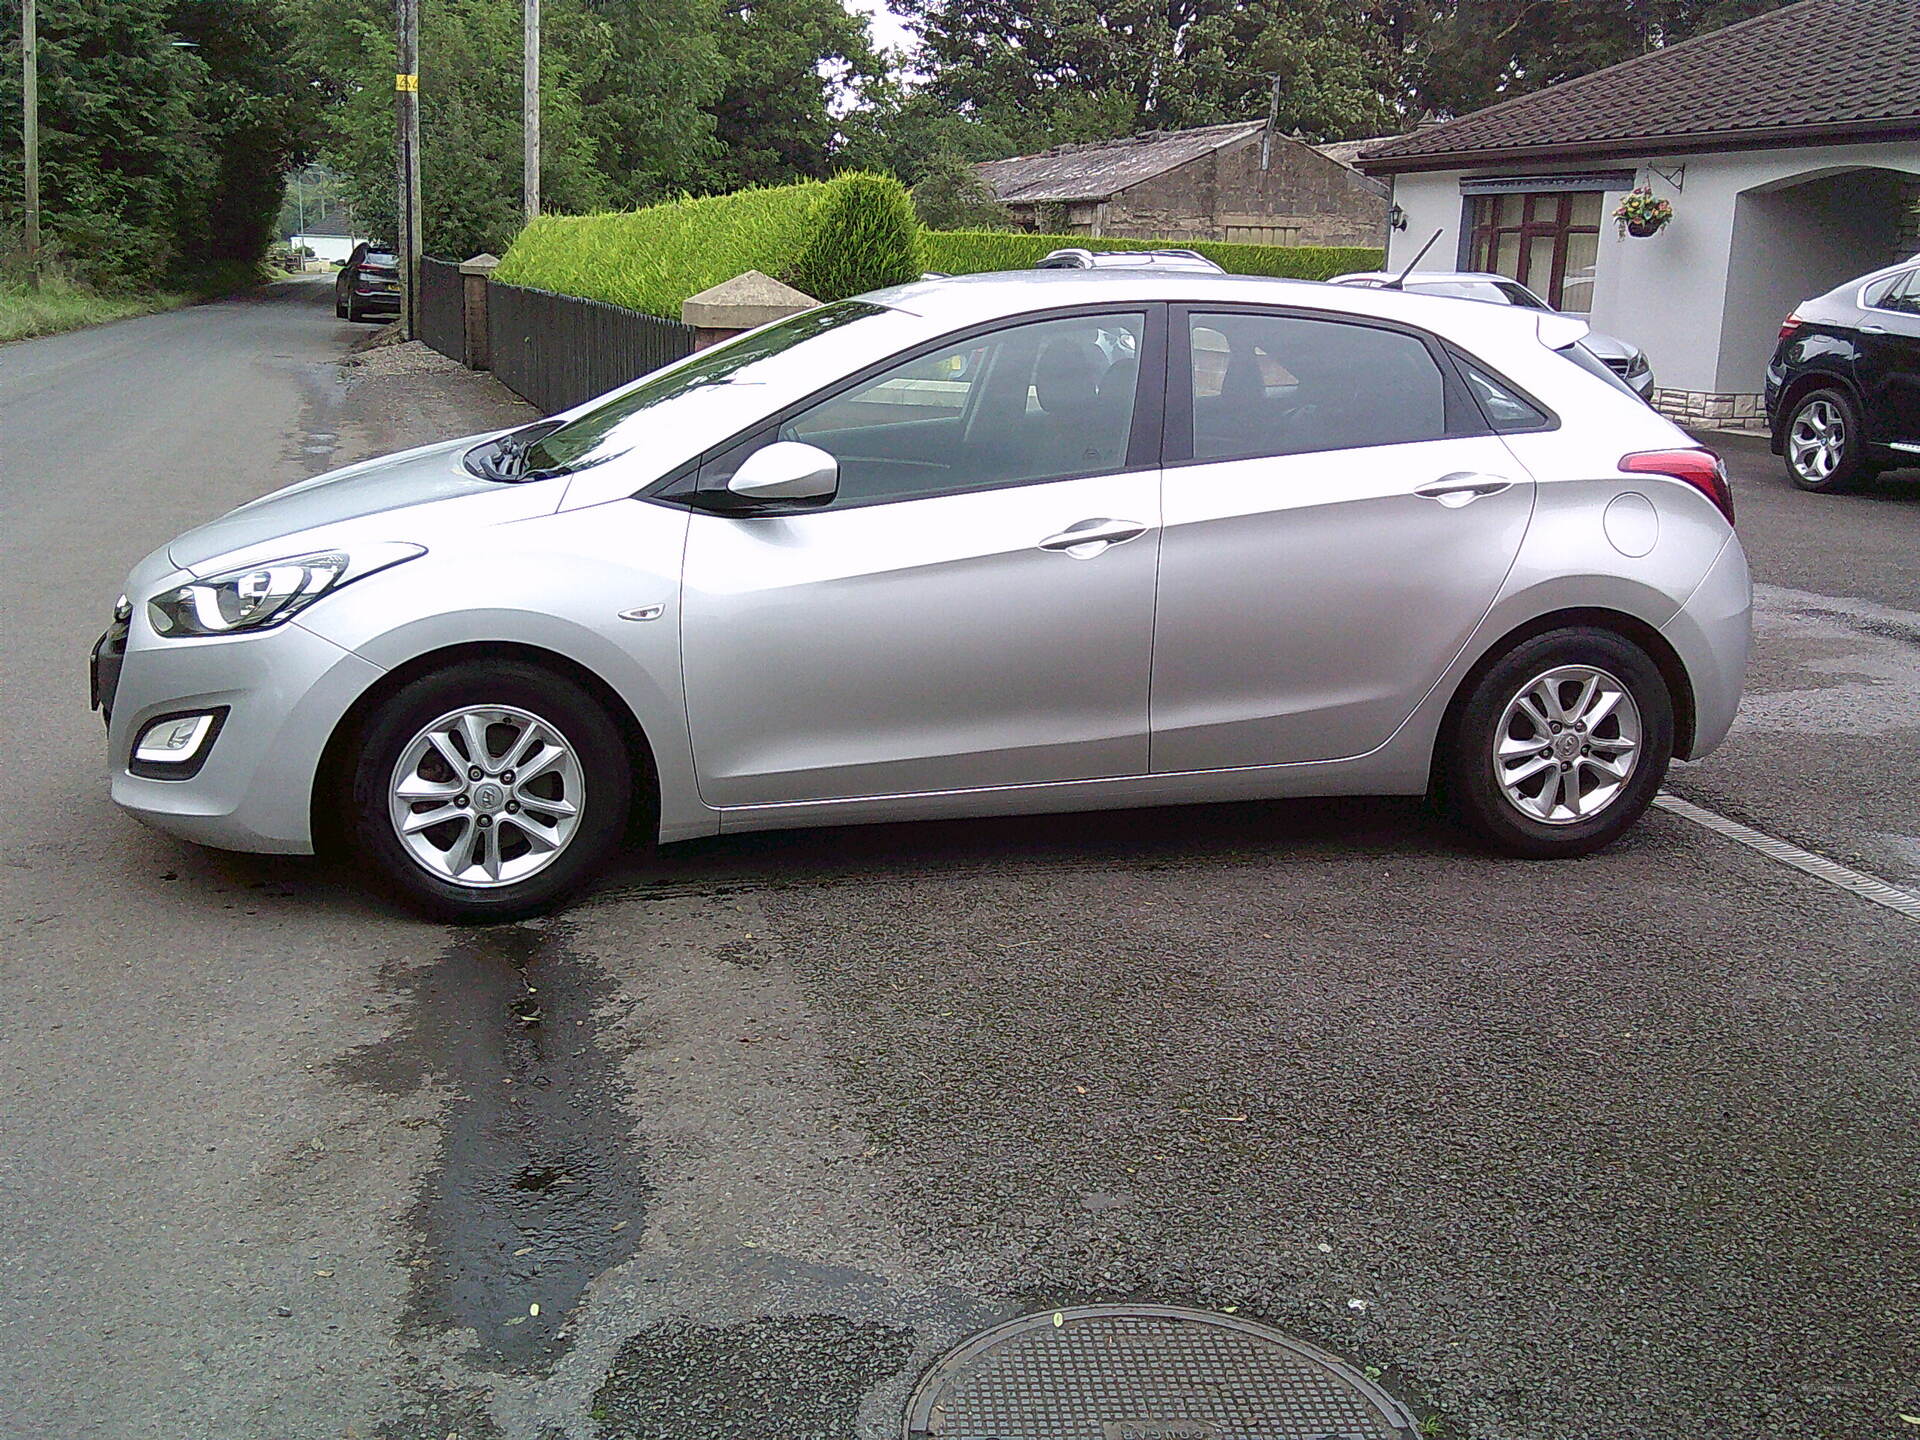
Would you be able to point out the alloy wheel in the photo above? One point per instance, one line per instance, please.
(1566, 745)
(1817, 440)
(486, 796)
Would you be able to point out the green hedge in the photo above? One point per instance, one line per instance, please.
(969, 252)
(831, 238)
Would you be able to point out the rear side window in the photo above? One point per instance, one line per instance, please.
(1903, 296)
(1506, 409)
(1285, 385)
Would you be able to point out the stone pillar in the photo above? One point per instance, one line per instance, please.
(738, 304)
(474, 275)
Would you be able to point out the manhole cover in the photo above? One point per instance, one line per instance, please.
(1147, 1372)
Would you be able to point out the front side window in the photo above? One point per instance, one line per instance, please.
(1549, 241)
(603, 432)
(1284, 385)
(1047, 400)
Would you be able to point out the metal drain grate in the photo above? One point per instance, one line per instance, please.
(1147, 1372)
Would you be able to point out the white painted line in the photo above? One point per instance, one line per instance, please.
(1867, 887)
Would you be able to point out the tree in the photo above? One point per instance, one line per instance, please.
(1050, 71)
(647, 105)
(950, 195)
(1471, 53)
(122, 163)
(470, 56)
(783, 64)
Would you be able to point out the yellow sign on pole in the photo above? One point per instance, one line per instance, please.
(408, 83)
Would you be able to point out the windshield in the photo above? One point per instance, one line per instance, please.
(590, 439)
(1494, 291)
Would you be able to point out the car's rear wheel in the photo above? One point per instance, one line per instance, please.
(352, 310)
(1824, 447)
(1561, 745)
(489, 792)
(339, 306)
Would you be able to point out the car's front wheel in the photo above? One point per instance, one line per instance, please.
(1561, 745)
(1824, 446)
(489, 792)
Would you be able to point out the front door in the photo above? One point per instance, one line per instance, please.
(1331, 540)
(974, 609)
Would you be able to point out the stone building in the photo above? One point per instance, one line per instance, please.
(1220, 182)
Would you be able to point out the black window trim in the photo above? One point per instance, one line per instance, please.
(1144, 441)
(1463, 417)
(1457, 356)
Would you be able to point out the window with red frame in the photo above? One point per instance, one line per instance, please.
(1547, 240)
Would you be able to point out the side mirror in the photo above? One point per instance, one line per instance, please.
(786, 470)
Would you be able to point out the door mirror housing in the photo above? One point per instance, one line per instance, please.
(785, 472)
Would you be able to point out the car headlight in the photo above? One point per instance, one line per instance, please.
(1637, 365)
(262, 596)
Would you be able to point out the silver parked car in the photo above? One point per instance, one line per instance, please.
(1623, 357)
(1051, 540)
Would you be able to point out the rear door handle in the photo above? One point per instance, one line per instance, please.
(1085, 539)
(1463, 487)
(1873, 329)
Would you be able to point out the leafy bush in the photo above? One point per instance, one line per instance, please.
(950, 195)
(861, 235)
(830, 238)
(969, 252)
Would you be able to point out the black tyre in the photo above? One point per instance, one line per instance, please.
(339, 306)
(352, 310)
(489, 792)
(1560, 746)
(1825, 449)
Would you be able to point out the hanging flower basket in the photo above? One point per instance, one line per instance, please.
(1640, 214)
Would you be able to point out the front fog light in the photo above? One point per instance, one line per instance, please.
(175, 746)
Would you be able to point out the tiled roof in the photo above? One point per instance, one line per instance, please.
(1347, 151)
(1093, 172)
(1822, 68)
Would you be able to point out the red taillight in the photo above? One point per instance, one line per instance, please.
(1789, 325)
(1701, 469)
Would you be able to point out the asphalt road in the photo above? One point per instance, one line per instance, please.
(1617, 1148)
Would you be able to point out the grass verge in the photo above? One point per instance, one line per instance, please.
(58, 305)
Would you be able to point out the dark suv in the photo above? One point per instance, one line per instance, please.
(1843, 391)
(368, 285)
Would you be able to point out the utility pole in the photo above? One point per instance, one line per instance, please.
(530, 111)
(406, 104)
(30, 132)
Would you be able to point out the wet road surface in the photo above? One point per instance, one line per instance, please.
(1621, 1147)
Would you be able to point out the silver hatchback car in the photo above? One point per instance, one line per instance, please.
(1053, 540)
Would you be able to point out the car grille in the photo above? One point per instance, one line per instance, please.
(103, 669)
(1622, 368)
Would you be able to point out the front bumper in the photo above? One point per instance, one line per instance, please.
(285, 691)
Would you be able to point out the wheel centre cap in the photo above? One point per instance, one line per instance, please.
(488, 797)
(1566, 746)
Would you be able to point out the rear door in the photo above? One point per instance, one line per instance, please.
(1889, 365)
(973, 610)
(1337, 523)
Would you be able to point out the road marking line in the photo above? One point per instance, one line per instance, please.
(1867, 887)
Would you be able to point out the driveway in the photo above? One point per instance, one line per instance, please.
(1621, 1147)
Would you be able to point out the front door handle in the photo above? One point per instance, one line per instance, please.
(1873, 329)
(1085, 539)
(1463, 487)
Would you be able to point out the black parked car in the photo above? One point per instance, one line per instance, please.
(1843, 391)
(368, 285)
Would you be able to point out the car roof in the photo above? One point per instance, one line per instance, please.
(1422, 276)
(1002, 294)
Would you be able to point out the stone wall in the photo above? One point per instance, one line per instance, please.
(1711, 410)
(1300, 198)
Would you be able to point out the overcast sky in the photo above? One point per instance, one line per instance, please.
(888, 33)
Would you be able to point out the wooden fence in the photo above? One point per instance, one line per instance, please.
(556, 350)
(443, 308)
